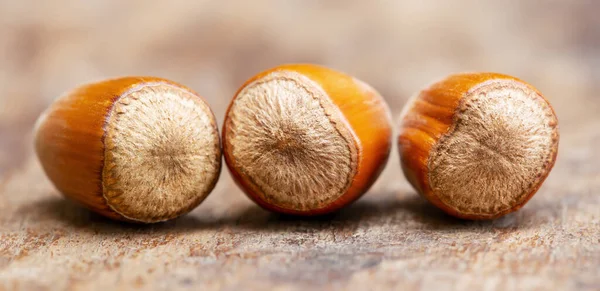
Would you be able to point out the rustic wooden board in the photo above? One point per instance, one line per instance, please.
(390, 239)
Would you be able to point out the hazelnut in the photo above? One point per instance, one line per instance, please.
(139, 149)
(478, 145)
(306, 140)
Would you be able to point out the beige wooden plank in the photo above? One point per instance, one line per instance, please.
(390, 239)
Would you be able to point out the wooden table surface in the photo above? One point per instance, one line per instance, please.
(391, 238)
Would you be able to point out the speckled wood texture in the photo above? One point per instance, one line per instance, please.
(391, 238)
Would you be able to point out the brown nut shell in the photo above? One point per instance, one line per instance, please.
(306, 140)
(140, 149)
(478, 145)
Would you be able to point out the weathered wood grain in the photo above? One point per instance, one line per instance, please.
(391, 238)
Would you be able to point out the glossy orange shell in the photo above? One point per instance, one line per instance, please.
(368, 116)
(69, 140)
(427, 119)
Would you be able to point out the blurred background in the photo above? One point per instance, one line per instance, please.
(49, 47)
